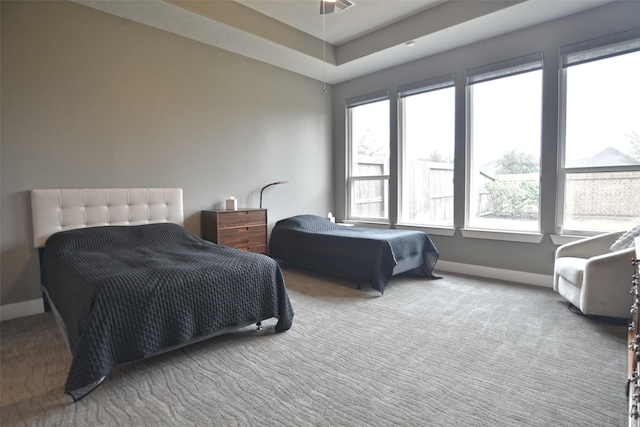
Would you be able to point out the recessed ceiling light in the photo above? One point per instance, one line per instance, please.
(410, 43)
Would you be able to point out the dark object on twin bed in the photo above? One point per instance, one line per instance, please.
(355, 253)
(126, 293)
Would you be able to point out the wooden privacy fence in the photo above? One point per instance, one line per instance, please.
(427, 192)
(371, 196)
(427, 196)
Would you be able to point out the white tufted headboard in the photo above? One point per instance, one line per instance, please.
(54, 210)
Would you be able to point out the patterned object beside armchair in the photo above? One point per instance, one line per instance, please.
(593, 274)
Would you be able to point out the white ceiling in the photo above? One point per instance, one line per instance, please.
(365, 38)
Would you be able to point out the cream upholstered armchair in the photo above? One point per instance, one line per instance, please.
(594, 278)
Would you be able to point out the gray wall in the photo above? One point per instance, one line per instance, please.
(526, 257)
(93, 100)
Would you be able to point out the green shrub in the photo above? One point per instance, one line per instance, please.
(513, 199)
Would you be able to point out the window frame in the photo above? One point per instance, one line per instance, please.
(352, 180)
(404, 91)
(498, 70)
(571, 55)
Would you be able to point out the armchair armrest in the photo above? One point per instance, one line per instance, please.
(606, 282)
(589, 247)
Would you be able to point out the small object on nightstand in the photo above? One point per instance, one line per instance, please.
(231, 203)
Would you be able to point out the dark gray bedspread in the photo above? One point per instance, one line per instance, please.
(126, 292)
(355, 253)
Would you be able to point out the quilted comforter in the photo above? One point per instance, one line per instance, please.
(126, 292)
(355, 253)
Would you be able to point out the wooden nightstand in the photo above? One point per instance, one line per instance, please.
(243, 228)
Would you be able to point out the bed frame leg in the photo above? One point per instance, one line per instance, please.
(358, 283)
(259, 326)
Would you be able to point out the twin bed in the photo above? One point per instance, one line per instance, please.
(364, 255)
(126, 281)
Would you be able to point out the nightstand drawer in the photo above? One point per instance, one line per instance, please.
(258, 249)
(238, 235)
(241, 218)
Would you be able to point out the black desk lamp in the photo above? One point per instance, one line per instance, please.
(269, 185)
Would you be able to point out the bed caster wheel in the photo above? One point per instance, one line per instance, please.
(259, 326)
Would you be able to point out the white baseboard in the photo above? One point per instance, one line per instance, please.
(27, 308)
(21, 309)
(496, 273)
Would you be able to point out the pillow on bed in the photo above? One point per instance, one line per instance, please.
(626, 240)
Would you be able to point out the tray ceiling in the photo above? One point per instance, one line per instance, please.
(368, 37)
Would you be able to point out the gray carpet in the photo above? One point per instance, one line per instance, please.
(452, 352)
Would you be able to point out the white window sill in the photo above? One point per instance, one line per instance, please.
(438, 231)
(509, 236)
(428, 229)
(369, 224)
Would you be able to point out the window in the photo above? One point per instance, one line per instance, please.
(504, 110)
(368, 134)
(427, 134)
(599, 172)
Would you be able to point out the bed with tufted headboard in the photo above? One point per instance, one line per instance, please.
(126, 281)
(56, 210)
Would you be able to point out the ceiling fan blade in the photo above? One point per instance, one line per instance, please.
(326, 7)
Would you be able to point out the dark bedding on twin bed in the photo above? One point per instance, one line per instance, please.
(125, 293)
(356, 253)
